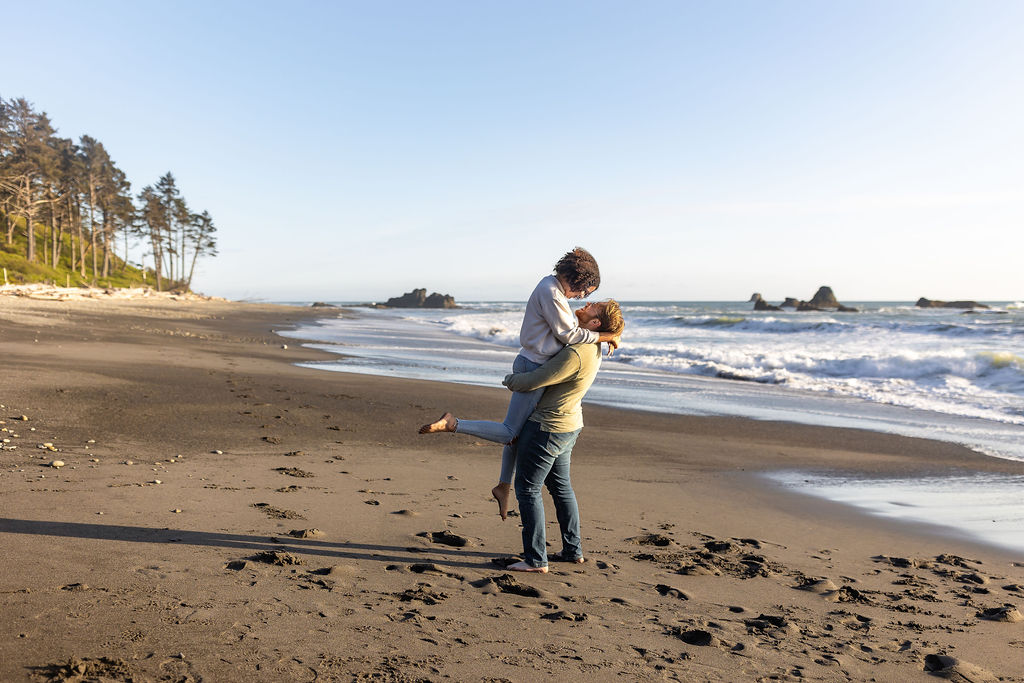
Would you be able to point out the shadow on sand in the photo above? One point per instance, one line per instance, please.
(449, 556)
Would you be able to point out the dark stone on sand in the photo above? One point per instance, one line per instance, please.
(933, 303)
(418, 298)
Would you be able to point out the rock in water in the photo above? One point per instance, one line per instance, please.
(931, 303)
(762, 305)
(824, 298)
(418, 298)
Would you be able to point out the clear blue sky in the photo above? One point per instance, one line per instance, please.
(701, 150)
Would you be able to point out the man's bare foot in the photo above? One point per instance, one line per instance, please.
(523, 567)
(502, 493)
(445, 423)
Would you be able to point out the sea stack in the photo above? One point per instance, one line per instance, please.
(418, 298)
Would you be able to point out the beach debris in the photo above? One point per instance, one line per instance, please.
(276, 513)
(294, 472)
(659, 540)
(276, 557)
(129, 462)
(305, 533)
(1007, 613)
(156, 481)
(423, 593)
(57, 464)
(46, 446)
(217, 452)
(445, 538)
(562, 615)
(89, 669)
(176, 510)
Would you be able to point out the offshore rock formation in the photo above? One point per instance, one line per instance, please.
(761, 305)
(823, 300)
(930, 303)
(418, 298)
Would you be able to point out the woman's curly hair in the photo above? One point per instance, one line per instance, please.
(578, 268)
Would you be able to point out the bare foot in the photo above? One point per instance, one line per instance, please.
(523, 567)
(502, 493)
(445, 423)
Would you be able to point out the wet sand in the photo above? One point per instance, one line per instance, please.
(284, 523)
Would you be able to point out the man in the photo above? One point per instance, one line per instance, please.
(546, 440)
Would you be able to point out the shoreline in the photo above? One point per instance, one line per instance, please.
(668, 500)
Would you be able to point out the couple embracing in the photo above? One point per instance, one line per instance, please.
(560, 356)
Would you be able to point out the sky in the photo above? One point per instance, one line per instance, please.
(702, 151)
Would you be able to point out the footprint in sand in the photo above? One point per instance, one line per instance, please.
(670, 592)
(294, 472)
(423, 593)
(446, 538)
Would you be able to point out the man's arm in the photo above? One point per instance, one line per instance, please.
(562, 367)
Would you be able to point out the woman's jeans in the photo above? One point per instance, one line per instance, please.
(520, 406)
(544, 459)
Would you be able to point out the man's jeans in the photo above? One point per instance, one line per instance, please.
(520, 406)
(543, 460)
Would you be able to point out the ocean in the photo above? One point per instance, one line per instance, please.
(945, 374)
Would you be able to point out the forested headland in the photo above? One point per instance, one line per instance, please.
(69, 216)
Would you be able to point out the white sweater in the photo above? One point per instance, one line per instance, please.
(549, 324)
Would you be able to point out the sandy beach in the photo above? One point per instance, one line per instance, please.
(224, 515)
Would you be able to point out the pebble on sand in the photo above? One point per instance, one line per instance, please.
(57, 464)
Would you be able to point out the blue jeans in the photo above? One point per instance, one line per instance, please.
(520, 406)
(544, 459)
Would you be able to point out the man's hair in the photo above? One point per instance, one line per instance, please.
(611, 318)
(579, 270)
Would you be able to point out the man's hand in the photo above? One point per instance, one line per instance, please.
(613, 344)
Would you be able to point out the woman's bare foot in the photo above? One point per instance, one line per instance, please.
(502, 493)
(523, 567)
(445, 423)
